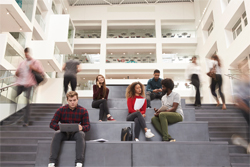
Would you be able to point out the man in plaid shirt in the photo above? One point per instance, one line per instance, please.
(70, 113)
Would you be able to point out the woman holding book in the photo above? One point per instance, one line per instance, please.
(136, 91)
(170, 112)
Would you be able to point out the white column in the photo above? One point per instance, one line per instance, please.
(159, 46)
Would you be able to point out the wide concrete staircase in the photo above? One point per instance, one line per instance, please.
(222, 125)
(202, 140)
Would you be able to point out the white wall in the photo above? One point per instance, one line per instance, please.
(228, 51)
(50, 92)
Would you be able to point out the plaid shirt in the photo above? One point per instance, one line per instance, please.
(65, 115)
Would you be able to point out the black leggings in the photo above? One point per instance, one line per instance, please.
(103, 105)
(217, 82)
(139, 122)
(196, 82)
(69, 79)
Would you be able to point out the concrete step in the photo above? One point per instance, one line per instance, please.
(118, 114)
(22, 140)
(216, 154)
(182, 131)
(221, 119)
(227, 123)
(17, 163)
(29, 128)
(198, 115)
(240, 164)
(227, 134)
(121, 103)
(18, 147)
(239, 158)
(222, 139)
(208, 111)
(236, 149)
(20, 123)
(228, 128)
(17, 156)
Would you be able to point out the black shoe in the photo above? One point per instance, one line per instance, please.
(25, 125)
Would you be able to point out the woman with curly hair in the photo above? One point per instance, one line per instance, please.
(173, 114)
(133, 92)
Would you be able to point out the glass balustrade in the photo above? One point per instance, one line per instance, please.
(39, 19)
(131, 58)
(88, 33)
(19, 36)
(27, 7)
(176, 58)
(85, 85)
(170, 33)
(12, 56)
(84, 58)
(131, 33)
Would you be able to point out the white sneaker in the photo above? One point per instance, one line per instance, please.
(136, 139)
(78, 164)
(238, 140)
(149, 134)
(51, 165)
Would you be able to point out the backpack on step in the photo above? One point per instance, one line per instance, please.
(126, 134)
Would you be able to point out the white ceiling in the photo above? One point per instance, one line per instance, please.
(120, 2)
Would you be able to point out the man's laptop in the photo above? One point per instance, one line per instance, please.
(69, 127)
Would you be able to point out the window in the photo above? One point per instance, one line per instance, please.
(210, 29)
(244, 17)
(237, 29)
(54, 8)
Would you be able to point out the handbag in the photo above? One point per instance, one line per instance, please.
(126, 134)
(38, 77)
(212, 72)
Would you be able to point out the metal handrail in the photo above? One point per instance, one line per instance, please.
(6, 87)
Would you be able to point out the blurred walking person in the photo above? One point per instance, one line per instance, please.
(216, 79)
(242, 97)
(193, 74)
(26, 79)
(71, 68)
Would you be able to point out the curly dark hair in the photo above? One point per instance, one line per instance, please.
(168, 83)
(130, 91)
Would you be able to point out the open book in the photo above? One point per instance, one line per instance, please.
(163, 108)
(100, 140)
(139, 102)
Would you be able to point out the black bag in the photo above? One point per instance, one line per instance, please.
(38, 77)
(126, 134)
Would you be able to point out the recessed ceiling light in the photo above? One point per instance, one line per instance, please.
(85, 53)
(150, 53)
(124, 53)
(83, 78)
(48, 64)
(111, 53)
(8, 13)
(21, 28)
(65, 8)
(137, 53)
(199, 20)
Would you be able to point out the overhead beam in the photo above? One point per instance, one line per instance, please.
(157, 1)
(107, 2)
(121, 2)
(75, 3)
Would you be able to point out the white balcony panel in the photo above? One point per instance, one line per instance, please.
(59, 32)
(44, 51)
(12, 18)
(44, 4)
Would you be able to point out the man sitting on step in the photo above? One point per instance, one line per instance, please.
(71, 113)
(154, 88)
